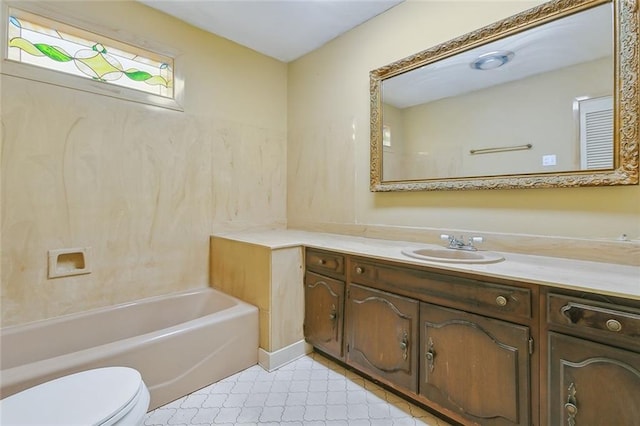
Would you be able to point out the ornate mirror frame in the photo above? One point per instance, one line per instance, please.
(626, 102)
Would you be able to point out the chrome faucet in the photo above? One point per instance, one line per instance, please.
(459, 244)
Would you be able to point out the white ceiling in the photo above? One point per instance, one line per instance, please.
(578, 38)
(282, 29)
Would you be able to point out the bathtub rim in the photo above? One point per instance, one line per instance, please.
(11, 377)
(61, 318)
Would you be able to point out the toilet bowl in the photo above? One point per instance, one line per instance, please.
(104, 396)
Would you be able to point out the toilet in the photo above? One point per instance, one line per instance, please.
(103, 396)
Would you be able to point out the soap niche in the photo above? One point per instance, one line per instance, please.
(68, 262)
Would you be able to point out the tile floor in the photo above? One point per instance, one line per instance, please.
(311, 391)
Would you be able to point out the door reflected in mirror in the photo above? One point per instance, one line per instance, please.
(533, 106)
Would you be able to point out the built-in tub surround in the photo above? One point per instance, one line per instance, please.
(179, 343)
(142, 186)
(269, 277)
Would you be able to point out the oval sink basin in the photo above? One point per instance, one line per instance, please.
(452, 255)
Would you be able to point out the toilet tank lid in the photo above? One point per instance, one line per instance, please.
(91, 397)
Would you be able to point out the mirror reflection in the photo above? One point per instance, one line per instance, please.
(545, 98)
(538, 101)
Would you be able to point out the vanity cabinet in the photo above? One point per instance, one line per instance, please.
(480, 351)
(594, 361)
(476, 366)
(381, 335)
(324, 302)
(471, 338)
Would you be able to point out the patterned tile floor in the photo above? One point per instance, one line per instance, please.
(311, 391)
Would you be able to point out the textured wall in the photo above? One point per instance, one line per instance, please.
(143, 186)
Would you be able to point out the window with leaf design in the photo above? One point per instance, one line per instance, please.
(45, 43)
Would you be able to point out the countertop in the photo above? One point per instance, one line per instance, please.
(598, 277)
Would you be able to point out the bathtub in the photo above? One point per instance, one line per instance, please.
(179, 342)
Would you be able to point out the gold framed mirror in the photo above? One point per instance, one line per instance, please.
(552, 91)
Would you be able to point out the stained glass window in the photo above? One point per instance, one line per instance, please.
(56, 46)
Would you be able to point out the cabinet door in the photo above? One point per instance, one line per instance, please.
(476, 366)
(323, 308)
(592, 384)
(382, 331)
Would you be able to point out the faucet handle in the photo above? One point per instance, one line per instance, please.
(475, 240)
(445, 237)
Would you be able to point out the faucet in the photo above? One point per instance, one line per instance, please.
(459, 244)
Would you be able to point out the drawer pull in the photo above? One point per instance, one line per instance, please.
(431, 356)
(404, 346)
(333, 313)
(359, 270)
(614, 325)
(571, 407)
(322, 261)
(501, 301)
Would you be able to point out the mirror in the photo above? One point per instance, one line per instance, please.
(545, 98)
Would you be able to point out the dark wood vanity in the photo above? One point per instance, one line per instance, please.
(477, 350)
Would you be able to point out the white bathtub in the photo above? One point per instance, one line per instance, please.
(180, 343)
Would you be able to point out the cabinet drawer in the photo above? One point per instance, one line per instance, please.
(596, 318)
(323, 262)
(471, 295)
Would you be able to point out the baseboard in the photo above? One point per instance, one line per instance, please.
(273, 360)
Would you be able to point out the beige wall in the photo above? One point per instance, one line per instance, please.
(329, 142)
(143, 186)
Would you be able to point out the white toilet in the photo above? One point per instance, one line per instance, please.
(104, 396)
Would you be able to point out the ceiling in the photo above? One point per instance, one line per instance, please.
(575, 39)
(282, 29)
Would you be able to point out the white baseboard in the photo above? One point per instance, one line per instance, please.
(273, 360)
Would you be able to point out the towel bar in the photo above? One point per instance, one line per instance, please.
(500, 149)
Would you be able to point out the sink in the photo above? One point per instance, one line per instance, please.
(452, 255)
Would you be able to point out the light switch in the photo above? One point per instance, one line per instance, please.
(549, 160)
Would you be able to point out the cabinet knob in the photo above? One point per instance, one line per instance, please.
(571, 406)
(359, 270)
(501, 301)
(614, 325)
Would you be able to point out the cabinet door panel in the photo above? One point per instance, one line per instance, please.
(323, 318)
(476, 366)
(592, 384)
(382, 331)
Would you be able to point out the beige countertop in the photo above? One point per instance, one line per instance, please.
(604, 278)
